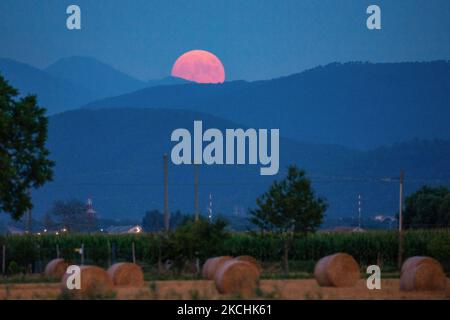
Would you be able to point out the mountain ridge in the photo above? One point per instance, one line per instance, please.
(54, 94)
(361, 105)
(99, 77)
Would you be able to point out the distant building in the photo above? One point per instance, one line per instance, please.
(358, 229)
(90, 214)
(383, 218)
(124, 229)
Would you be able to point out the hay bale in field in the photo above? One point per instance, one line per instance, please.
(337, 270)
(237, 277)
(126, 274)
(56, 268)
(413, 262)
(211, 266)
(95, 284)
(251, 260)
(422, 273)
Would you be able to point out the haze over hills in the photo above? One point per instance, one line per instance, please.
(72, 82)
(115, 156)
(167, 81)
(97, 76)
(361, 105)
(53, 93)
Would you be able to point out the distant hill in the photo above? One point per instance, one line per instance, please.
(361, 105)
(97, 76)
(167, 81)
(115, 156)
(54, 93)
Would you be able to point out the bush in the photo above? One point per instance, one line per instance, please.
(14, 268)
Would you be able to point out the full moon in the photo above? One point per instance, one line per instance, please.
(200, 66)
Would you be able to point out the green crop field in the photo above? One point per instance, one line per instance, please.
(26, 254)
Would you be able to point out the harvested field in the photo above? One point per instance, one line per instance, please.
(205, 289)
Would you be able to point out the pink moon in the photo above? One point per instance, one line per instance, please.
(200, 66)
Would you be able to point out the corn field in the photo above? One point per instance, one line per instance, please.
(22, 254)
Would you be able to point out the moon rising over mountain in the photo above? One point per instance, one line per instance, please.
(199, 66)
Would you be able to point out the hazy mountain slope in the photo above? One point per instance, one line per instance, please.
(97, 76)
(167, 81)
(115, 156)
(361, 105)
(53, 93)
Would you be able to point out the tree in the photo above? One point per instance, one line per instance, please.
(428, 207)
(444, 211)
(289, 208)
(72, 216)
(154, 220)
(24, 162)
(197, 240)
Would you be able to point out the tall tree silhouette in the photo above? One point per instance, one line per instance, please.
(24, 162)
(289, 208)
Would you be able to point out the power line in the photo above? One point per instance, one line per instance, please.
(321, 179)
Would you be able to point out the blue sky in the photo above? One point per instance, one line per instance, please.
(255, 39)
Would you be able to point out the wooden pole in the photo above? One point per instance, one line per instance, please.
(166, 193)
(4, 259)
(133, 252)
(57, 251)
(29, 222)
(109, 253)
(82, 254)
(400, 221)
(29, 218)
(196, 202)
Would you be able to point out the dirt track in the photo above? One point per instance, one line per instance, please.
(202, 289)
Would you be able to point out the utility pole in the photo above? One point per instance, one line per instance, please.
(29, 219)
(210, 208)
(196, 204)
(29, 222)
(400, 221)
(359, 211)
(196, 209)
(166, 193)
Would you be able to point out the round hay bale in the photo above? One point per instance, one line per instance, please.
(422, 274)
(237, 277)
(126, 274)
(56, 268)
(95, 284)
(337, 270)
(211, 266)
(251, 260)
(413, 262)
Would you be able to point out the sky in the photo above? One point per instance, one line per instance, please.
(254, 39)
